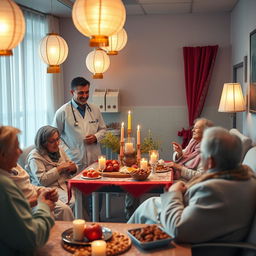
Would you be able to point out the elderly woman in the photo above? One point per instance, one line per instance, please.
(48, 164)
(22, 230)
(187, 163)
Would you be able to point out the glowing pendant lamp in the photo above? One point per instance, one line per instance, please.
(97, 62)
(53, 50)
(116, 42)
(12, 26)
(98, 19)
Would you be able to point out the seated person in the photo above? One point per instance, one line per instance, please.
(216, 206)
(22, 230)
(186, 163)
(30, 191)
(48, 165)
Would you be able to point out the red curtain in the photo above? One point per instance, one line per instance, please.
(198, 66)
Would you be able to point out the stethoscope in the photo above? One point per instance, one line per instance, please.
(74, 115)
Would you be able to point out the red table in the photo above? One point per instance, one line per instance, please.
(154, 183)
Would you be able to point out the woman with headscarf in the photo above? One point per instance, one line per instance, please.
(48, 164)
(187, 163)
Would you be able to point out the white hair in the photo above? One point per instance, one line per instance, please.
(7, 138)
(225, 148)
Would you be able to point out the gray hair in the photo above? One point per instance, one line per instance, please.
(8, 135)
(225, 148)
(206, 122)
(42, 136)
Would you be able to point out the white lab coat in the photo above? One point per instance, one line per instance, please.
(73, 137)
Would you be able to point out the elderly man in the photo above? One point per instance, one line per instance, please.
(216, 206)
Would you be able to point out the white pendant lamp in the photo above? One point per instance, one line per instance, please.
(97, 62)
(53, 50)
(98, 19)
(12, 26)
(116, 42)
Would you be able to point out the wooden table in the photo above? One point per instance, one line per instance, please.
(154, 184)
(53, 247)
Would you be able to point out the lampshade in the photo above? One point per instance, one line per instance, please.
(116, 42)
(12, 26)
(98, 19)
(97, 62)
(232, 99)
(53, 50)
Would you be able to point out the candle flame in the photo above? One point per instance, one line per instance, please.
(122, 124)
(138, 127)
(129, 112)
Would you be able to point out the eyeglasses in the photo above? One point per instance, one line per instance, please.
(52, 141)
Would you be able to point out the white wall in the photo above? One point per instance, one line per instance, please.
(243, 21)
(149, 70)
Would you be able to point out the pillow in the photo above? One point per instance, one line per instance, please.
(246, 141)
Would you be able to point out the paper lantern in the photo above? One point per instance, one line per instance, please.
(116, 42)
(97, 62)
(98, 19)
(12, 26)
(53, 50)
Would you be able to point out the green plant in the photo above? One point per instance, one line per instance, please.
(149, 143)
(111, 141)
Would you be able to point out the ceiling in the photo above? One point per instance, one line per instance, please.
(62, 8)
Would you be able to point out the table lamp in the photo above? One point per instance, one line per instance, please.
(232, 100)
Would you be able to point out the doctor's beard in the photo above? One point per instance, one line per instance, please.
(82, 100)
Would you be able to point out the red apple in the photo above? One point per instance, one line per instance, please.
(93, 232)
(114, 162)
(135, 166)
(108, 162)
(115, 167)
(109, 168)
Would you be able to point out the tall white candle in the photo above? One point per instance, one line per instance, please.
(143, 164)
(138, 135)
(153, 158)
(78, 229)
(128, 147)
(122, 132)
(102, 162)
(99, 248)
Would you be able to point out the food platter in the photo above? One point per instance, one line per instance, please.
(90, 178)
(67, 236)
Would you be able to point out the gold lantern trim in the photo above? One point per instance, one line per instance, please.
(12, 26)
(116, 42)
(97, 62)
(54, 51)
(98, 19)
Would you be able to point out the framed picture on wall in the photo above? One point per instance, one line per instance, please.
(252, 94)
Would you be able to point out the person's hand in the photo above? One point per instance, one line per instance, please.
(66, 167)
(177, 148)
(71, 168)
(44, 198)
(32, 201)
(175, 166)
(53, 195)
(90, 139)
(179, 186)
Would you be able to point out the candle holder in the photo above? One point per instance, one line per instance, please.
(129, 159)
(121, 155)
(153, 160)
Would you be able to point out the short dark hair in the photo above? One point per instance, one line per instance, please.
(78, 81)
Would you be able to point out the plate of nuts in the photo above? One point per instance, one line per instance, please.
(149, 237)
(140, 174)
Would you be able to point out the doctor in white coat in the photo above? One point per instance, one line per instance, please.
(81, 125)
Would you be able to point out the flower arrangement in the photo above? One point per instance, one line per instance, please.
(149, 143)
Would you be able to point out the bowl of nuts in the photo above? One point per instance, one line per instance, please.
(140, 174)
(149, 237)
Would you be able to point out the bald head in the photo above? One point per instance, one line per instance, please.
(223, 147)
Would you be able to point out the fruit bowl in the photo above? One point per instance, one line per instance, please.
(140, 174)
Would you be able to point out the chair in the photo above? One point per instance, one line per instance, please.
(23, 157)
(248, 246)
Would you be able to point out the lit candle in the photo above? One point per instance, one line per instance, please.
(99, 248)
(143, 164)
(102, 162)
(129, 120)
(78, 229)
(128, 147)
(122, 132)
(138, 135)
(153, 158)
